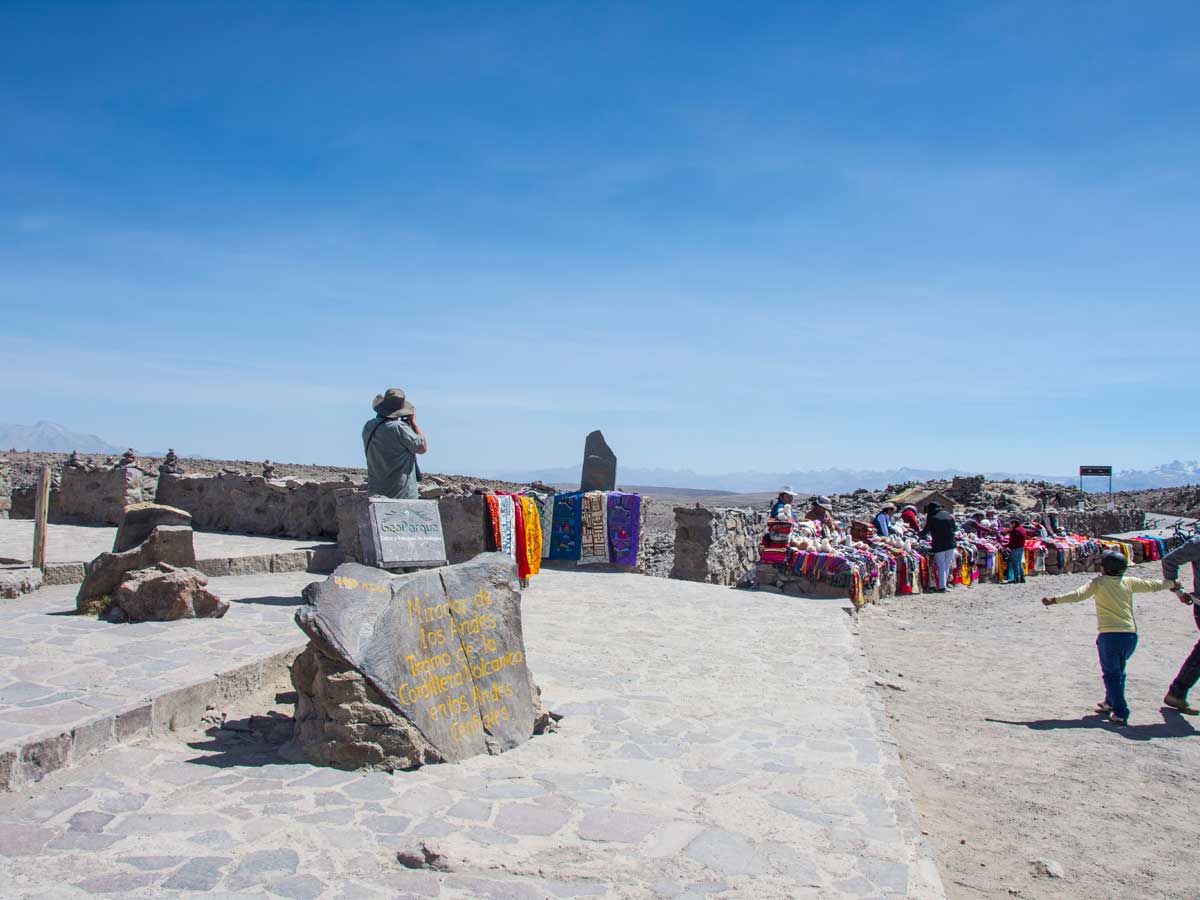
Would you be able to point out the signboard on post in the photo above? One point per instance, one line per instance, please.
(1099, 472)
(402, 534)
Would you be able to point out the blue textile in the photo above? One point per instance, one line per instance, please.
(567, 526)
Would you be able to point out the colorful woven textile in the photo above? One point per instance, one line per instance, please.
(545, 505)
(519, 537)
(508, 525)
(593, 539)
(532, 521)
(624, 528)
(567, 525)
(493, 507)
(773, 548)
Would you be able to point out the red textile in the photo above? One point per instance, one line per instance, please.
(523, 569)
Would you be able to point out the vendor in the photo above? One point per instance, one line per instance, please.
(980, 525)
(908, 515)
(782, 507)
(883, 519)
(821, 511)
(1050, 523)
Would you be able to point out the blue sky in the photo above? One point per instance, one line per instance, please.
(735, 236)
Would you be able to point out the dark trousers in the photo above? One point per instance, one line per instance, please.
(1115, 648)
(1188, 675)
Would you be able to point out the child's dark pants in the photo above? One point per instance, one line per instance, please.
(1115, 648)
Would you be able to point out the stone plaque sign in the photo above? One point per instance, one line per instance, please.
(445, 648)
(402, 533)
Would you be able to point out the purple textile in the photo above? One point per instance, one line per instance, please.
(624, 527)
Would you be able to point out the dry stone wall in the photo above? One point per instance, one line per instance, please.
(1096, 522)
(99, 494)
(5, 487)
(252, 504)
(716, 546)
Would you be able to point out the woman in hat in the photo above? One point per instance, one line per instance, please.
(821, 511)
(908, 515)
(782, 507)
(883, 519)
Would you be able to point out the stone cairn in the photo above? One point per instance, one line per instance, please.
(128, 460)
(268, 470)
(73, 461)
(170, 464)
(150, 575)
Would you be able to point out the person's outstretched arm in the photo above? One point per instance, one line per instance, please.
(1148, 585)
(1080, 593)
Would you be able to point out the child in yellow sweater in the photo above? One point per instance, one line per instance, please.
(1118, 628)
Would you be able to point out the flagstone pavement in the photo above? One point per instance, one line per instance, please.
(714, 744)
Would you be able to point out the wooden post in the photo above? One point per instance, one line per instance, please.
(41, 512)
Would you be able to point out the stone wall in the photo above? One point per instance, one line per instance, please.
(1095, 522)
(99, 494)
(716, 546)
(251, 504)
(466, 527)
(5, 487)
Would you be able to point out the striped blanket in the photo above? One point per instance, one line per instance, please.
(594, 536)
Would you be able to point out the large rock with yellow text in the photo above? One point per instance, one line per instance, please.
(404, 670)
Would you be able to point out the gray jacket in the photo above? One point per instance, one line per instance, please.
(391, 447)
(1187, 552)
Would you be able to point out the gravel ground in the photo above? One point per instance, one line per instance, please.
(992, 710)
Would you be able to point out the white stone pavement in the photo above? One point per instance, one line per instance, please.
(93, 683)
(715, 744)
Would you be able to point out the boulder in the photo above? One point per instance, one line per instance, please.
(170, 544)
(163, 594)
(599, 465)
(404, 670)
(142, 518)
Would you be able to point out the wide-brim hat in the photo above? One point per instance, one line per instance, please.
(823, 502)
(788, 489)
(392, 404)
(888, 505)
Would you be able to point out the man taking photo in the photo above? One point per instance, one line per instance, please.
(392, 442)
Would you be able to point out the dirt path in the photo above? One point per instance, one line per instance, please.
(1007, 763)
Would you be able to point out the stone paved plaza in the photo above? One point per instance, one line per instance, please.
(61, 672)
(714, 744)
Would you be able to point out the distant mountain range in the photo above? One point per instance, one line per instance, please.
(49, 437)
(843, 481)
(53, 438)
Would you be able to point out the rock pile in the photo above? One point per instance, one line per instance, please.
(163, 594)
(156, 542)
(16, 580)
